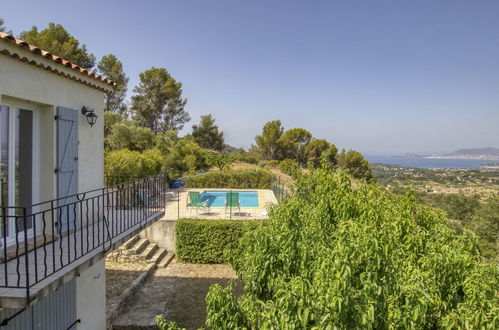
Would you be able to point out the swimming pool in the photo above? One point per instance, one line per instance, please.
(216, 198)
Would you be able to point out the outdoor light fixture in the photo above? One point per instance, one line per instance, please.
(90, 114)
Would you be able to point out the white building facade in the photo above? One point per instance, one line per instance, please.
(57, 219)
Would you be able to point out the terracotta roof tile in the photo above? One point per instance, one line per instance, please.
(57, 59)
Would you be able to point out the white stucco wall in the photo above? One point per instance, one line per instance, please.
(91, 297)
(27, 86)
(35, 87)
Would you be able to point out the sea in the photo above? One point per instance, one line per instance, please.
(428, 162)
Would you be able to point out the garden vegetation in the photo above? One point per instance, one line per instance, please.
(334, 256)
(205, 241)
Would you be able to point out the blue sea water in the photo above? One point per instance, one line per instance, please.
(217, 198)
(428, 162)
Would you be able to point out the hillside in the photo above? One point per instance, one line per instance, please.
(471, 153)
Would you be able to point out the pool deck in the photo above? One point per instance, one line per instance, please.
(177, 208)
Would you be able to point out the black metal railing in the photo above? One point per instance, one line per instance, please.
(39, 240)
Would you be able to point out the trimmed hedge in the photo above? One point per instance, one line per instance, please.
(242, 179)
(204, 241)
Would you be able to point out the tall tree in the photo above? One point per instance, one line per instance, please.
(57, 40)
(158, 103)
(355, 164)
(207, 134)
(110, 67)
(293, 143)
(268, 142)
(318, 148)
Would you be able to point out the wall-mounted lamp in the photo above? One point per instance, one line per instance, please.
(90, 115)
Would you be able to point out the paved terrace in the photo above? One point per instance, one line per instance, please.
(177, 206)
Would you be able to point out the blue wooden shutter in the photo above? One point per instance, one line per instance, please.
(67, 164)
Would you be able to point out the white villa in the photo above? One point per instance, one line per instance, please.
(57, 219)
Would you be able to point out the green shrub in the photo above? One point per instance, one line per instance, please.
(289, 167)
(128, 135)
(205, 241)
(334, 256)
(132, 164)
(181, 155)
(164, 324)
(240, 179)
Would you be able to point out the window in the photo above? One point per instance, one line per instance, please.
(17, 169)
(4, 161)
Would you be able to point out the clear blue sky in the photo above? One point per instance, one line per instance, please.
(381, 77)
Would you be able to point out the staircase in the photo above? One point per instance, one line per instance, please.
(136, 250)
(139, 249)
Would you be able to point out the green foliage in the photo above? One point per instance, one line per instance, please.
(242, 156)
(222, 160)
(334, 256)
(158, 102)
(164, 324)
(235, 179)
(293, 143)
(111, 119)
(457, 206)
(289, 167)
(268, 143)
(355, 164)
(316, 149)
(58, 41)
(181, 155)
(485, 223)
(110, 67)
(205, 241)
(128, 135)
(207, 134)
(132, 164)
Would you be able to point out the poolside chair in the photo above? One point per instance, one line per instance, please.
(232, 202)
(197, 203)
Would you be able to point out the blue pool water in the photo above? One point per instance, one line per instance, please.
(217, 198)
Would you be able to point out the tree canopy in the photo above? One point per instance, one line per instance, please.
(207, 134)
(57, 40)
(268, 142)
(355, 164)
(293, 143)
(337, 256)
(110, 67)
(158, 102)
(316, 149)
(128, 135)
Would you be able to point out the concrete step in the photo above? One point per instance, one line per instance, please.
(159, 255)
(131, 242)
(137, 249)
(149, 251)
(166, 260)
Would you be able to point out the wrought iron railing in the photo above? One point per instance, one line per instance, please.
(41, 239)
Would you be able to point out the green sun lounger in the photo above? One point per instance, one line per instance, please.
(232, 202)
(197, 203)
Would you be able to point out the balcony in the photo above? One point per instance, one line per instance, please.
(53, 241)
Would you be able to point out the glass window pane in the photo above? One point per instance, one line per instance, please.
(4, 162)
(24, 163)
